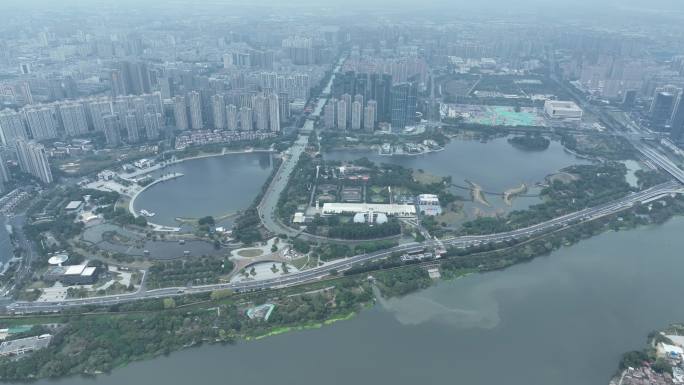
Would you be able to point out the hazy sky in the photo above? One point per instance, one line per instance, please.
(505, 6)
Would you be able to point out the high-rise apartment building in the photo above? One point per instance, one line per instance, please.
(356, 116)
(231, 117)
(73, 117)
(246, 123)
(112, 130)
(260, 105)
(218, 106)
(369, 115)
(273, 113)
(329, 114)
(342, 114)
(180, 113)
(11, 127)
(42, 122)
(33, 160)
(195, 103)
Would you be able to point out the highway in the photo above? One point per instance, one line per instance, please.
(315, 274)
(269, 203)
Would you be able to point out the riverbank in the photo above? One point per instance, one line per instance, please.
(308, 326)
(661, 361)
(153, 327)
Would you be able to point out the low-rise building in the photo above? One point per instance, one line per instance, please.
(396, 210)
(73, 206)
(24, 345)
(428, 204)
(72, 275)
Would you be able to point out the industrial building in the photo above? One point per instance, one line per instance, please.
(562, 110)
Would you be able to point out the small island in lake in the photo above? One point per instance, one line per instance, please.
(530, 142)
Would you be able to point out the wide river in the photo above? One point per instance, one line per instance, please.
(215, 186)
(557, 320)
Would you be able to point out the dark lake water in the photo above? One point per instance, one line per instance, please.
(210, 186)
(564, 319)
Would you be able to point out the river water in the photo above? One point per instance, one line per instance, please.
(564, 319)
(209, 186)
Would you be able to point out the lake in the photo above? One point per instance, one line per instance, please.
(564, 319)
(495, 165)
(214, 186)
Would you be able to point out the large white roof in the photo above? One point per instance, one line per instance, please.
(401, 210)
(74, 270)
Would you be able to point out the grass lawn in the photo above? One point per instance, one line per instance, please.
(250, 253)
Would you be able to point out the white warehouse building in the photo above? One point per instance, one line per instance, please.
(396, 210)
(562, 110)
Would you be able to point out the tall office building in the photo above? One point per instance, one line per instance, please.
(153, 124)
(218, 106)
(180, 113)
(382, 95)
(403, 101)
(11, 127)
(74, 121)
(342, 114)
(112, 130)
(260, 106)
(195, 103)
(41, 122)
(96, 111)
(246, 119)
(329, 114)
(357, 111)
(663, 104)
(369, 115)
(273, 113)
(33, 160)
(231, 117)
(629, 99)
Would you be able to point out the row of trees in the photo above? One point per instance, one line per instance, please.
(191, 271)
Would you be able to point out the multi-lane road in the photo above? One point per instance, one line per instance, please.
(315, 274)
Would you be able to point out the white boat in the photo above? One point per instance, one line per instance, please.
(146, 213)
